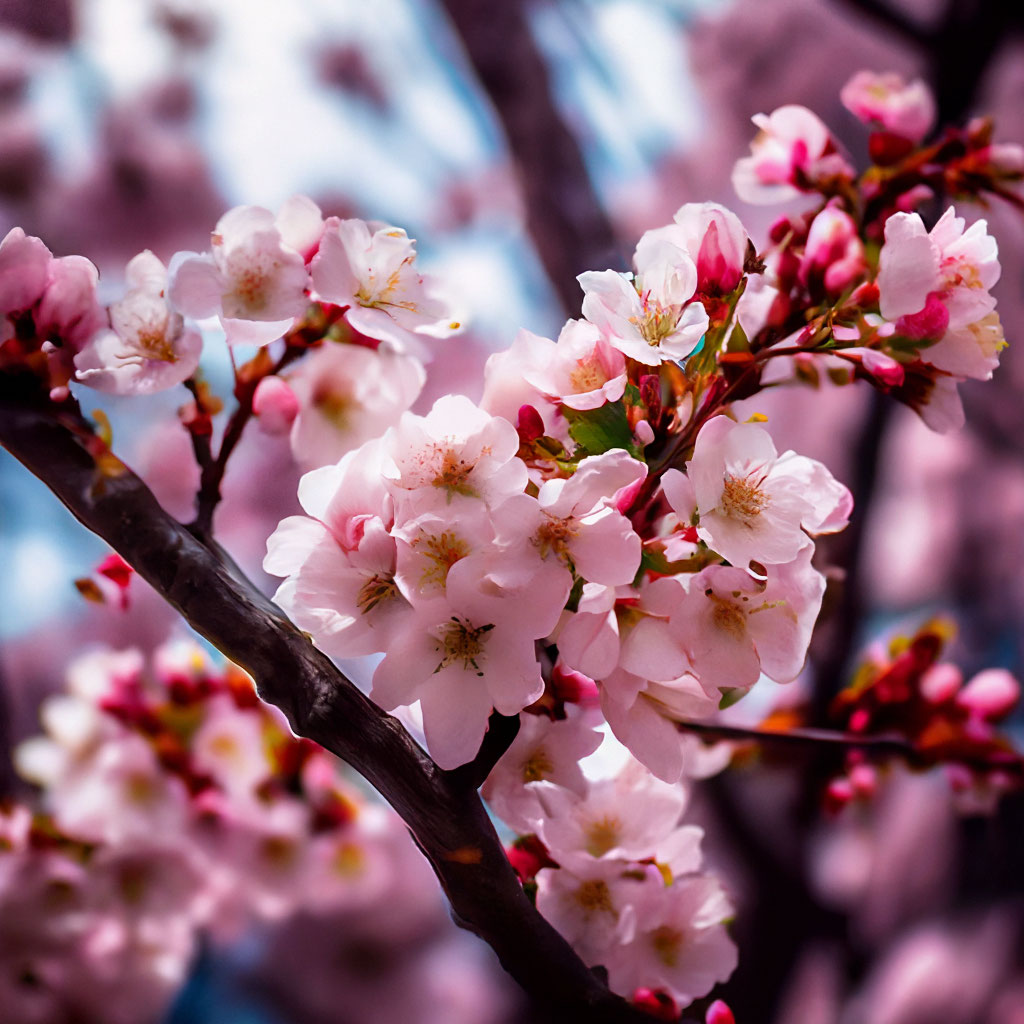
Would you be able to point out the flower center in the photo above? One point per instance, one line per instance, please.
(743, 498)
(537, 766)
(729, 618)
(594, 895)
(379, 587)
(658, 321)
(442, 552)
(554, 534)
(666, 942)
(461, 643)
(603, 835)
(588, 375)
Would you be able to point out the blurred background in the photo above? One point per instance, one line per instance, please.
(522, 143)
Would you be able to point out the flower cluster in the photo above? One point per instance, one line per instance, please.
(609, 862)
(906, 692)
(173, 803)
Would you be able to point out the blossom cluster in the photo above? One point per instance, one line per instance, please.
(608, 861)
(905, 691)
(173, 805)
(602, 538)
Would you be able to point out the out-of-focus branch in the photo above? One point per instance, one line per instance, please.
(563, 213)
(443, 811)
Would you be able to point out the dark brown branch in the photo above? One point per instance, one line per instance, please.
(447, 820)
(883, 746)
(564, 215)
(212, 469)
(501, 731)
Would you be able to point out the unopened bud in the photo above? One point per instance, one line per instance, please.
(719, 1013)
(275, 405)
(529, 424)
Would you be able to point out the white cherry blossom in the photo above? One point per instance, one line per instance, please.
(148, 346)
(252, 279)
(653, 317)
(752, 502)
(370, 268)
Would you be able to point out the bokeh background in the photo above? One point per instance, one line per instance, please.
(522, 143)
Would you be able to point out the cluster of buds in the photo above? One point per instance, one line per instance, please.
(908, 694)
(174, 805)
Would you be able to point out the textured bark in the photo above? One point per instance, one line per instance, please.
(442, 809)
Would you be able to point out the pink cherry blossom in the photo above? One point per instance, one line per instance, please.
(833, 254)
(348, 394)
(631, 816)
(935, 285)
(148, 347)
(579, 524)
(586, 902)
(792, 152)
(24, 265)
(888, 101)
(714, 238)
(252, 279)
(68, 309)
(676, 940)
(754, 503)
(654, 316)
(543, 751)
(470, 652)
(732, 627)
(582, 370)
(456, 453)
(370, 269)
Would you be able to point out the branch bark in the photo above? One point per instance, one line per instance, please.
(441, 809)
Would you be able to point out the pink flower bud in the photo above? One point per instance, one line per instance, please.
(838, 794)
(990, 695)
(941, 682)
(719, 1013)
(275, 405)
(864, 780)
(529, 424)
(660, 1005)
(930, 323)
(884, 368)
(904, 109)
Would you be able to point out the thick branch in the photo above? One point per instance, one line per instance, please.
(444, 813)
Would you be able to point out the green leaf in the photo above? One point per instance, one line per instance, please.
(600, 430)
(738, 341)
(730, 695)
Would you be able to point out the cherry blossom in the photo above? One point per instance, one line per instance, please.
(889, 102)
(652, 317)
(714, 238)
(935, 286)
(348, 394)
(369, 268)
(148, 347)
(792, 153)
(457, 453)
(677, 940)
(753, 503)
(581, 370)
(543, 751)
(253, 279)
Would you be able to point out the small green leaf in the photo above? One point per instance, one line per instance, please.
(602, 429)
(730, 695)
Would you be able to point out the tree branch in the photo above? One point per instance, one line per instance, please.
(447, 820)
